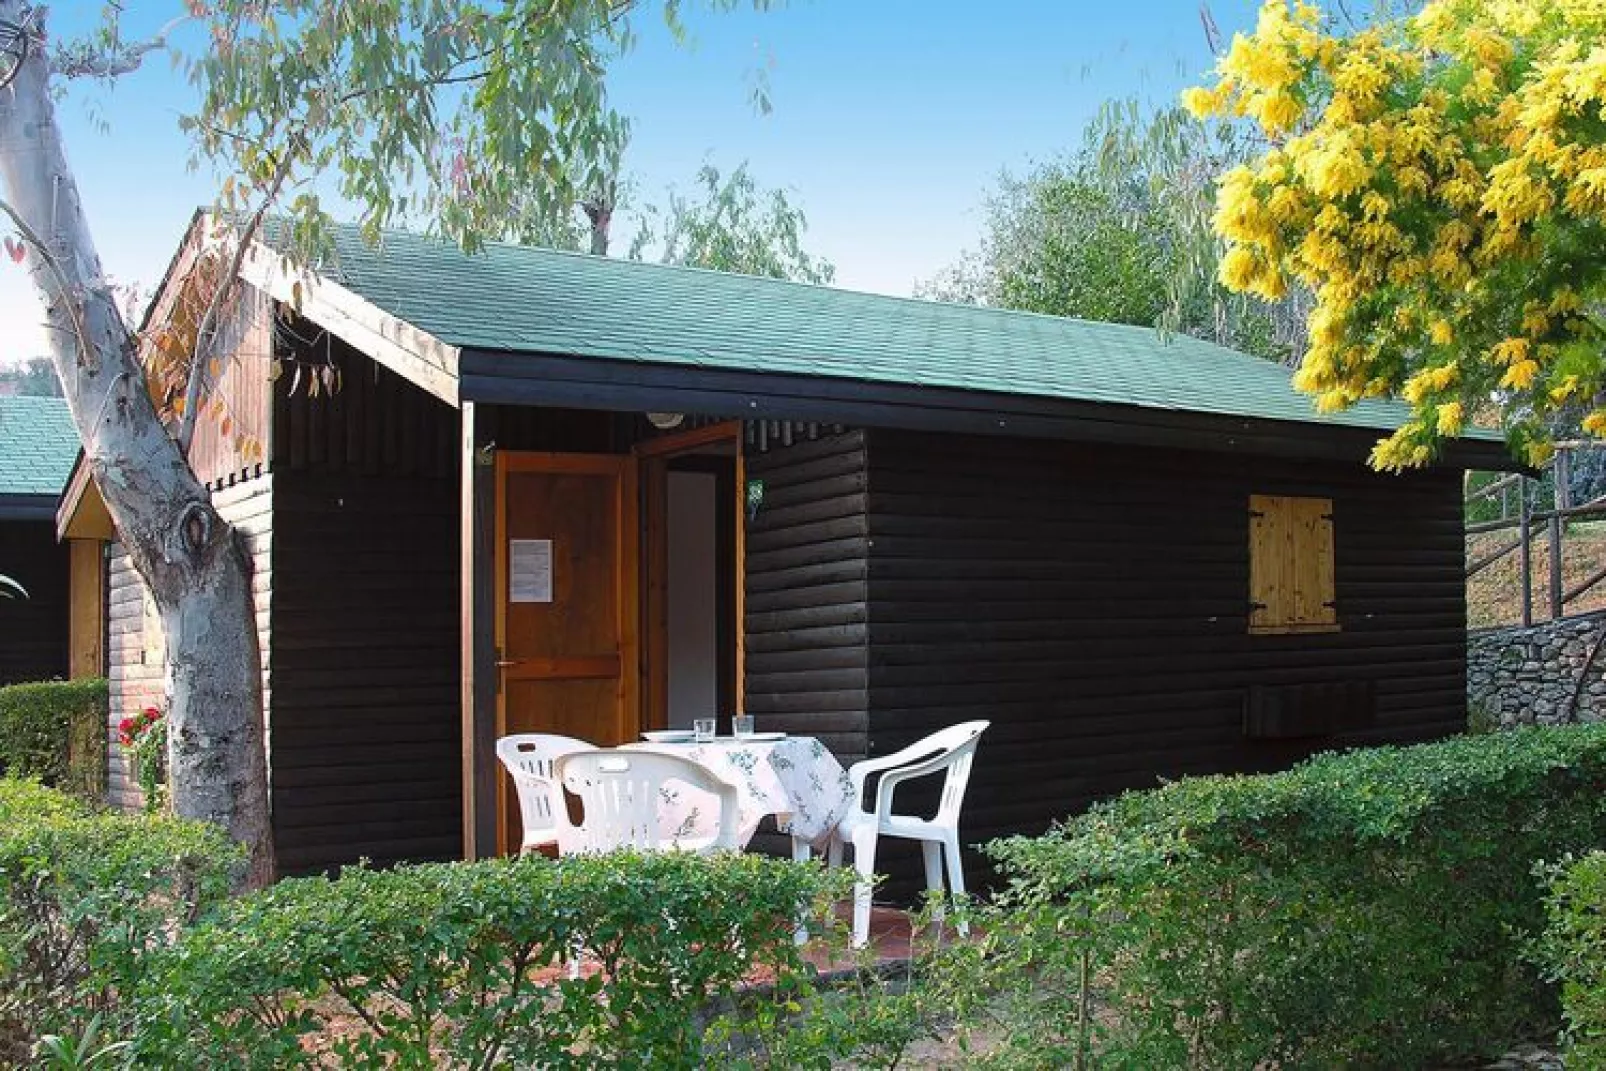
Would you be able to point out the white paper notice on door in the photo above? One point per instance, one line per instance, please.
(530, 570)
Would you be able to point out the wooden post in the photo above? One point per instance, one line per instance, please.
(477, 633)
(1555, 565)
(1562, 471)
(1525, 552)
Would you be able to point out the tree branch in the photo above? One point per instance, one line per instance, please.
(85, 351)
(208, 324)
(85, 62)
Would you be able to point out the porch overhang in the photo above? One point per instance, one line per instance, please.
(587, 383)
(81, 512)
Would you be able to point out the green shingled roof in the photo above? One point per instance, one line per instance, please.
(517, 298)
(38, 445)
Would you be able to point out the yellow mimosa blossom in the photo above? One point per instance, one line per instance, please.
(1450, 419)
(1438, 183)
(1520, 376)
(1595, 423)
(1510, 351)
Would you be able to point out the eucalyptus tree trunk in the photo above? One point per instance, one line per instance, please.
(192, 561)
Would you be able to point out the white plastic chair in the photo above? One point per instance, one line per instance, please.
(529, 758)
(620, 791)
(951, 749)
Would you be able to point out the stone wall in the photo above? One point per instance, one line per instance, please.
(1528, 676)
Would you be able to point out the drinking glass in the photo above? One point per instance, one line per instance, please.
(703, 729)
(742, 726)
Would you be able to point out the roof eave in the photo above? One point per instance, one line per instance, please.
(81, 513)
(588, 383)
(27, 507)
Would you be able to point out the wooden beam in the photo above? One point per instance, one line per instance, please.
(86, 655)
(687, 441)
(739, 554)
(410, 352)
(1525, 554)
(1554, 529)
(477, 623)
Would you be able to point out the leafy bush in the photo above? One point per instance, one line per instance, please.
(85, 898)
(464, 965)
(1573, 952)
(56, 731)
(1366, 908)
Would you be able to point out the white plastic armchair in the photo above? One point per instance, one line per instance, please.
(621, 791)
(952, 750)
(529, 758)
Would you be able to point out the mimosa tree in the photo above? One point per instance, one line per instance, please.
(1439, 184)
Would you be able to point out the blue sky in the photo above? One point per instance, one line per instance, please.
(890, 120)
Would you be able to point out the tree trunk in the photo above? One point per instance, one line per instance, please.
(192, 561)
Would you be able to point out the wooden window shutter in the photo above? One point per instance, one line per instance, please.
(1291, 587)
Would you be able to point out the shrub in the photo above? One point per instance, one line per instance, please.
(463, 965)
(1573, 953)
(85, 898)
(56, 731)
(1365, 908)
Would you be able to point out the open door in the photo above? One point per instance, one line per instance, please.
(692, 576)
(567, 607)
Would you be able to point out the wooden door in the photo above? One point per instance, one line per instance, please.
(567, 618)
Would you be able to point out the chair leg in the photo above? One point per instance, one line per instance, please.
(864, 863)
(956, 877)
(801, 853)
(932, 853)
(833, 851)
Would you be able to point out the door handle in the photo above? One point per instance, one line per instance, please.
(504, 663)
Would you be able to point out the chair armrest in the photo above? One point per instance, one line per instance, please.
(865, 767)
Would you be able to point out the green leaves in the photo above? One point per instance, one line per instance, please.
(1120, 232)
(1367, 908)
(55, 731)
(85, 899)
(732, 225)
(1572, 951)
(453, 115)
(464, 964)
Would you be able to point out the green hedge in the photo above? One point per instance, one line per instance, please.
(120, 926)
(463, 965)
(1364, 909)
(56, 731)
(86, 897)
(1573, 952)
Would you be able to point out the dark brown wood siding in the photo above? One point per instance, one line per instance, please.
(806, 599)
(1092, 602)
(365, 716)
(33, 631)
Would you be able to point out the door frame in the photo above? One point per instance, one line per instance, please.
(625, 468)
(655, 455)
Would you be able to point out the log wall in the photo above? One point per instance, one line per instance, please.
(806, 601)
(1093, 603)
(33, 631)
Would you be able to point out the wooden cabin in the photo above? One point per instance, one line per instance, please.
(54, 632)
(542, 491)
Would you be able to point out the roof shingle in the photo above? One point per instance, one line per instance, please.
(523, 299)
(38, 445)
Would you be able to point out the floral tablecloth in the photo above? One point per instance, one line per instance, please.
(796, 779)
